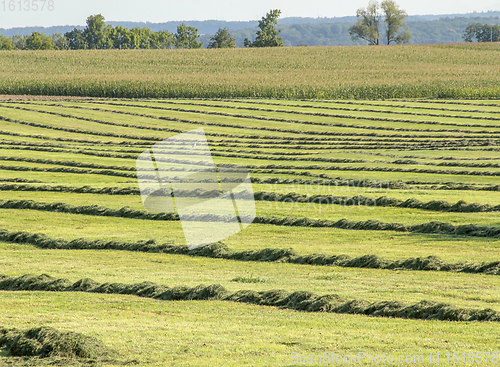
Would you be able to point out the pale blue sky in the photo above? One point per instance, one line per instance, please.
(74, 12)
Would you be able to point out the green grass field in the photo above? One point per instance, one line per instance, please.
(431, 160)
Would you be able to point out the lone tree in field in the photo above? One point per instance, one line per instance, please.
(268, 34)
(368, 25)
(222, 39)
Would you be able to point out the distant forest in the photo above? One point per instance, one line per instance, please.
(308, 31)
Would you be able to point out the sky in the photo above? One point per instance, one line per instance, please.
(74, 12)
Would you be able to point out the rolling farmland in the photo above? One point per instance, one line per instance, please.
(377, 229)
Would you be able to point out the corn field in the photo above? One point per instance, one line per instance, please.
(422, 71)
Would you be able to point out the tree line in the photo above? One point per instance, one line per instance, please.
(99, 36)
(482, 33)
(377, 24)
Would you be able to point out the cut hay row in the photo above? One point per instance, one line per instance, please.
(54, 347)
(298, 301)
(79, 131)
(439, 158)
(423, 185)
(277, 169)
(253, 168)
(306, 104)
(434, 205)
(432, 142)
(71, 189)
(353, 142)
(69, 170)
(463, 102)
(463, 133)
(435, 227)
(316, 123)
(302, 170)
(292, 197)
(221, 251)
(340, 147)
(8, 144)
(94, 152)
(20, 180)
(267, 142)
(189, 153)
(70, 140)
(354, 117)
(67, 163)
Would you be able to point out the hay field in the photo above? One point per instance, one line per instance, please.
(377, 230)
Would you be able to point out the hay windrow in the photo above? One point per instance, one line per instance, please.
(222, 251)
(466, 133)
(435, 227)
(48, 345)
(298, 301)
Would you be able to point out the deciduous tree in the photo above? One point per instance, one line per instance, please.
(76, 40)
(162, 40)
(369, 20)
(60, 42)
(394, 20)
(38, 41)
(97, 33)
(367, 26)
(222, 39)
(187, 37)
(267, 36)
(482, 33)
(6, 43)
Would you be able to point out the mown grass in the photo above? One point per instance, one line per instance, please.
(387, 244)
(225, 333)
(324, 211)
(182, 333)
(462, 290)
